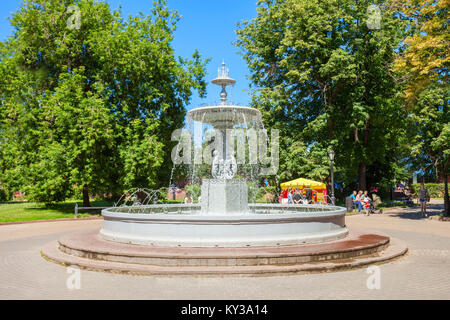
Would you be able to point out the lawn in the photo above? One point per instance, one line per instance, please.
(16, 211)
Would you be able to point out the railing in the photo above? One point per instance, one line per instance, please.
(86, 208)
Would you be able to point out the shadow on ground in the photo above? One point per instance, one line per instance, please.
(432, 210)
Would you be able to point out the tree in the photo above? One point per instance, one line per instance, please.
(424, 64)
(323, 77)
(91, 105)
(425, 58)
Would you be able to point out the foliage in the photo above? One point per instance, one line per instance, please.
(425, 58)
(194, 190)
(91, 108)
(4, 195)
(323, 78)
(435, 190)
(424, 64)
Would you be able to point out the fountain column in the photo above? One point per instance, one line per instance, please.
(224, 194)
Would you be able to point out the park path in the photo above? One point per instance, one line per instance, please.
(422, 274)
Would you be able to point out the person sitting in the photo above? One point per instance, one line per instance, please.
(290, 197)
(297, 197)
(309, 194)
(188, 198)
(366, 202)
(358, 201)
(353, 197)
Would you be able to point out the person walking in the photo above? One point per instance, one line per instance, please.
(423, 198)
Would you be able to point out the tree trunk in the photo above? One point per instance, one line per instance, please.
(362, 176)
(362, 182)
(86, 201)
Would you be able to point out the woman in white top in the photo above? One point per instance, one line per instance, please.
(188, 198)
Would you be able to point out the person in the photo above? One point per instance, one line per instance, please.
(423, 198)
(172, 187)
(359, 201)
(353, 197)
(297, 197)
(309, 194)
(290, 197)
(366, 202)
(188, 198)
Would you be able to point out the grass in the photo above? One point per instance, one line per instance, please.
(17, 211)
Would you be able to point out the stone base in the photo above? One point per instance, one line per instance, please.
(222, 197)
(89, 251)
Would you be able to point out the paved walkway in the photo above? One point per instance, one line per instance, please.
(422, 274)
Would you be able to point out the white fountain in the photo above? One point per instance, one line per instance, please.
(224, 218)
(225, 235)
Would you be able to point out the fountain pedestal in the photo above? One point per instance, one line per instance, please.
(224, 197)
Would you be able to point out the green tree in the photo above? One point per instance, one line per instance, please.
(90, 105)
(322, 76)
(424, 64)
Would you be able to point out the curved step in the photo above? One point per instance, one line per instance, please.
(91, 246)
(394, 250)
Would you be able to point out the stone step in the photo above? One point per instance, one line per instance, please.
(395, 249)
(91, 246)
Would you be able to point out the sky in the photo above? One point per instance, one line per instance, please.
(206, 25)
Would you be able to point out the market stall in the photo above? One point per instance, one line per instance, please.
(319, 189)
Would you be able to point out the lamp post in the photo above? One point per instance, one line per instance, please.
(331, 155)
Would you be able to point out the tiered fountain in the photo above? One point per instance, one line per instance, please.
(224, 234)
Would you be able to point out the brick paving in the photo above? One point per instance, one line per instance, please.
(422, 274)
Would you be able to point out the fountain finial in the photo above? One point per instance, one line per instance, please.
(223, 80)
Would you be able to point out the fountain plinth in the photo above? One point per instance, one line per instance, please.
(224, 197)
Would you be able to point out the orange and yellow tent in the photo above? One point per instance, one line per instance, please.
(301, 183)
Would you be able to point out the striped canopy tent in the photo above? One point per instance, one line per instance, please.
(302, 183)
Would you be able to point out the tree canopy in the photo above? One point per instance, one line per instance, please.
(323, 77)
(91, 105)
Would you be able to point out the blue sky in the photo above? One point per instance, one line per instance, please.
(206, 25)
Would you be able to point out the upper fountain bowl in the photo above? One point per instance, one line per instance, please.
(224, 116)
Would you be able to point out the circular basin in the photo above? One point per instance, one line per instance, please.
(186, 226)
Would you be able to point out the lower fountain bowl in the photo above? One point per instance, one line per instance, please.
(186, 226)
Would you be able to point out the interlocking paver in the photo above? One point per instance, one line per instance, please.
(421, 274)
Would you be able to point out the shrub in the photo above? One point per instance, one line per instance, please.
(4, 195)
(435, 190)
(269, 197)
(195, 190)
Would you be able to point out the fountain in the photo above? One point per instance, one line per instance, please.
(224, 218)
(224, 230)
